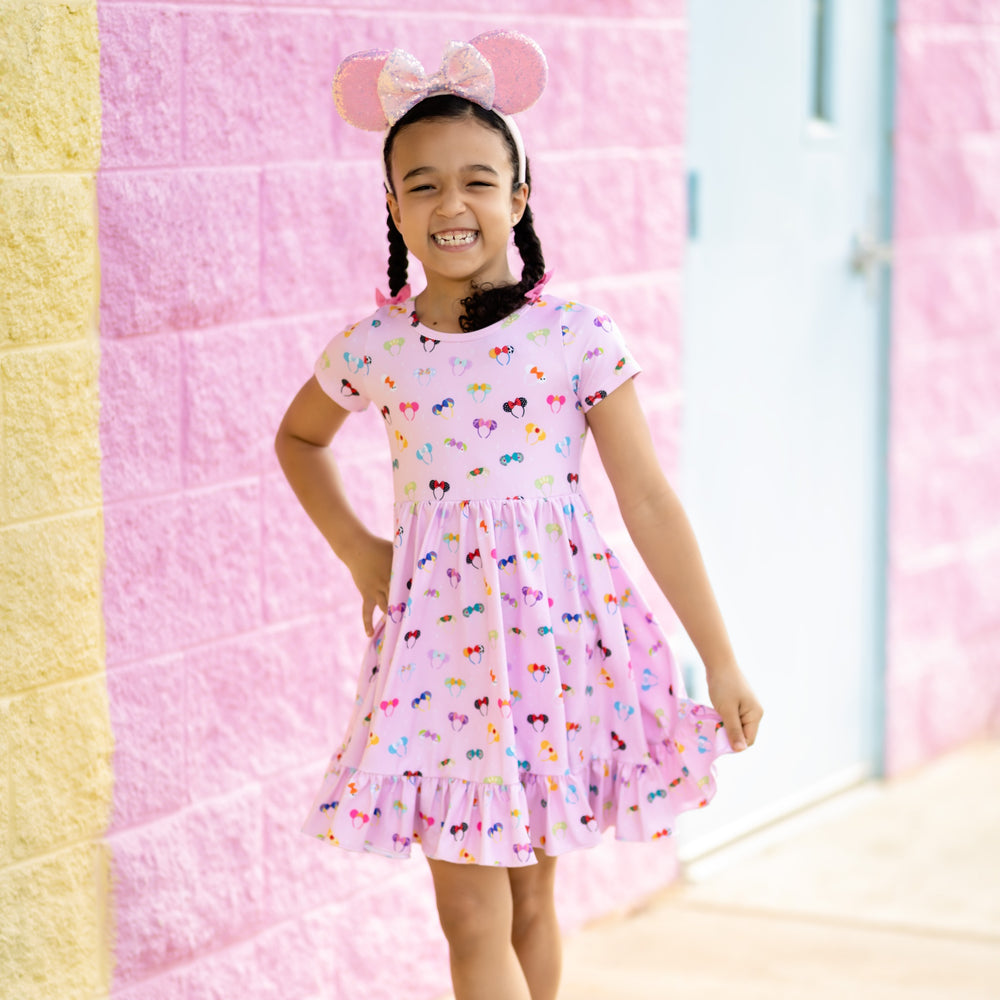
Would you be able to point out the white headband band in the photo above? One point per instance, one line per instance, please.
(515, 134)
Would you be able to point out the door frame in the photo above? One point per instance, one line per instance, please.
(888, 15)
(851, 778)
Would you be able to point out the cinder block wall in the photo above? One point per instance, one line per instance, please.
(55, 733)
(944, 571)
(241, 225)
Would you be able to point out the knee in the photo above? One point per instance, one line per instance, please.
(528, 909)
(468, 917)
(533, 900)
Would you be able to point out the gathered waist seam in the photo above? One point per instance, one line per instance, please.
(431, 502)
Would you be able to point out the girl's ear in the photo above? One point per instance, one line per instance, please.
(393, 206)
(519, 201)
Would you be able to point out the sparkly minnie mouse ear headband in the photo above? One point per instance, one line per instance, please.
(502, 71)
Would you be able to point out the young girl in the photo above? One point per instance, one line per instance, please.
(517, 698)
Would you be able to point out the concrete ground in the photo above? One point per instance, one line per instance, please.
(888, 892)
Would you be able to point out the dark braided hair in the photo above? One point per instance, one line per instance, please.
(397, 257)
(487, 304)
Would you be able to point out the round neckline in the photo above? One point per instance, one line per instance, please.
(431, 334)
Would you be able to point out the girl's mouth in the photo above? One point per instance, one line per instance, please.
(456, 238)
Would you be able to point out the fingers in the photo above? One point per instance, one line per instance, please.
(741, 725)
(751, 722)
(738, 707)
(367, 610)
(369, 602)
(734, 729)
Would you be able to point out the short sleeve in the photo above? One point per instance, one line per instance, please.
(343, 367)
(602, 361)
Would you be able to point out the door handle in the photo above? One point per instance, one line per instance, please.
(867, 253)
(867, 257)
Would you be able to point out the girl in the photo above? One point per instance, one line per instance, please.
(516, 698)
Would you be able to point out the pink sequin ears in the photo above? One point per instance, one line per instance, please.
(499, 70)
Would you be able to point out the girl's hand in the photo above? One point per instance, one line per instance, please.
(370, 563)
(734, 700)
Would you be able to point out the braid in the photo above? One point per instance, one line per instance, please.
(397, 257)
(529, 246)
(490, 305)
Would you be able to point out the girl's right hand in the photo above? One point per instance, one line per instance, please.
(370, 564)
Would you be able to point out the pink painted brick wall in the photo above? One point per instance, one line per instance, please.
(241, 225)
(944, 571)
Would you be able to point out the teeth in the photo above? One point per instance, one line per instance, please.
(454, 239)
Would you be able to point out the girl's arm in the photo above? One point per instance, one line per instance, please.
(302, 446)
(662, 533)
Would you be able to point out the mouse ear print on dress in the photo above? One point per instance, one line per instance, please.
(502, 70)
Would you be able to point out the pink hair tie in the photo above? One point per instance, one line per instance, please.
(398, 299)
(534, 294)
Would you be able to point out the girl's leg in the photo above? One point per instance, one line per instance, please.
(475, 908)
(535, 933)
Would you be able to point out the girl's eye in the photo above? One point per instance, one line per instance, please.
(420, 188)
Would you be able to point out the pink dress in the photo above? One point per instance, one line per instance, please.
(519, 694)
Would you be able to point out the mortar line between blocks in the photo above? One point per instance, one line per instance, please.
(267, 629)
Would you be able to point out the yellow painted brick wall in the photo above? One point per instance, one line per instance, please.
(55, 733)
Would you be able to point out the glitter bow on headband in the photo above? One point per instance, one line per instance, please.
(464, 72)
(499, 70)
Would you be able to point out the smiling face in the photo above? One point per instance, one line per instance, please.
(453, 201)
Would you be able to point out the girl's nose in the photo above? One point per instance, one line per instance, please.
(451, 203)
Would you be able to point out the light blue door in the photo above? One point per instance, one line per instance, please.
(783, 436)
